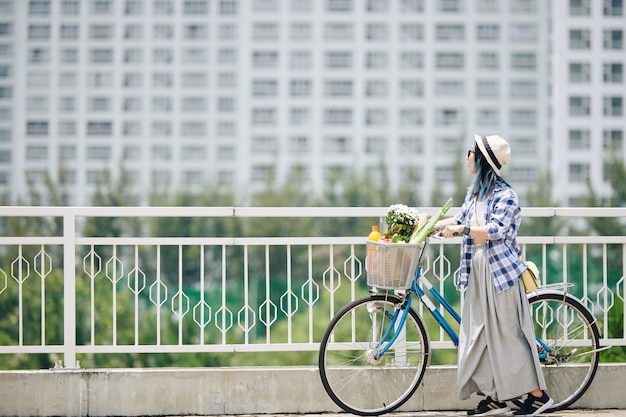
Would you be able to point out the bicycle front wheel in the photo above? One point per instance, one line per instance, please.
(571, 349)
(354, 376)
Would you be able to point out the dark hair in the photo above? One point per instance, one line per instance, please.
(485, 178)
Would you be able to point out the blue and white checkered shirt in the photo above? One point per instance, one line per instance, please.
(503, 218)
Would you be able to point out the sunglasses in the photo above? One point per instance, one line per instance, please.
(471, 151)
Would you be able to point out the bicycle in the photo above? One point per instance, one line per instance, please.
(375, 350)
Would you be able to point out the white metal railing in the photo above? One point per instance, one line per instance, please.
(138, 294)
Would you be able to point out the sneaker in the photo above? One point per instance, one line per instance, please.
(489, 407)
(533, 405)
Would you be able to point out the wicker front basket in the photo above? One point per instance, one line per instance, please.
(391, 265)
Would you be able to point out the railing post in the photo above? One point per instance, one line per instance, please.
(69, 290)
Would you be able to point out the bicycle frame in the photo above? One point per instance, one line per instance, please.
(437, 315)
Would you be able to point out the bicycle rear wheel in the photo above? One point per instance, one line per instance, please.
(571, 335)
(354, 377)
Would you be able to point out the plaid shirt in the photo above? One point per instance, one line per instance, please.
(503, 218)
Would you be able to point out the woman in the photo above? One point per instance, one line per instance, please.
(497, 352)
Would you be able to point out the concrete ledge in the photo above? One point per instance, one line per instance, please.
(222, 391)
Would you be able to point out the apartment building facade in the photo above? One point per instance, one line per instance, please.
(238, 93)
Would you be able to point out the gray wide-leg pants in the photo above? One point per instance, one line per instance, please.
(497, 351)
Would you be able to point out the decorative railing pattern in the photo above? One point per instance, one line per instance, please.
(239, 294)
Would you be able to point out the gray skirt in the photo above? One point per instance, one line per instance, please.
(497, 351)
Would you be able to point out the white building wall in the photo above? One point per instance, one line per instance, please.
(234, 137)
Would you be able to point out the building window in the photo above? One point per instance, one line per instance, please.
(338, 117)
(36, 153)
(265, 59)
(578, 173)
(193, 129)
(488, 32)
(376, 88)
(69, 32)
(613, 7)
(338, 5)
(526, 61)
(38, 56)
(67, 128)
(262, 174)
(264, 116)
(161, 129)
(163, 7)
(338, 59)
(226, 129)
(613, 73)
(523, 117)
(195, 7)
(162, 31)
(579, 139)
(301, 88)
(412, 6)
(100, 79)
(161, 104)
(612, 106)
(193, 153)
(99, 128)
(613, 39)
(338, 88)
(488, 117)
(487, 89)
(376, 117)
(580, 38)
(299, 116)
(265, 88)
(523, 89)
(580, 7)
(194, 79)
(449, 32)
(39, 32)
(225, 104)
(98, 153)
(98, 104)
(337, 144)
(411, 117)
(39, 8)
(411, 88)
(70, 7)
(376, 145)
(411, 60)
(449, 88)
(411, 145)
(449, 60)
(195, 56)
(195, 32)
(579, 72)
(579, 106)
(265, 31)
(162, 56)
(489, 61)
(37, 128)
(264, 144)
(162, 80)
(131, 128)
(132, 104)
(101, 56)
(299, 145)
(102, 7)
(448, 117)
(524, 32)
(613, 140)
(227, 31)
(376, 32)
(133, 32)
(300, 59)
(68, 152)
(101, 32)
(161, 153)
(69, 55)
(228, 7)
(194, 104)
(377, 60)
(410, 32)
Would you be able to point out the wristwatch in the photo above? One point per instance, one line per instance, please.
(466, 230)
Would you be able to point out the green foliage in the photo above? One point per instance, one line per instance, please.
(117, 311)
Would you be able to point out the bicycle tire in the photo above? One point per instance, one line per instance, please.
(571, 332)
(352, 376)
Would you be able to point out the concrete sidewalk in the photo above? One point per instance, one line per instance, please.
(563, 413)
